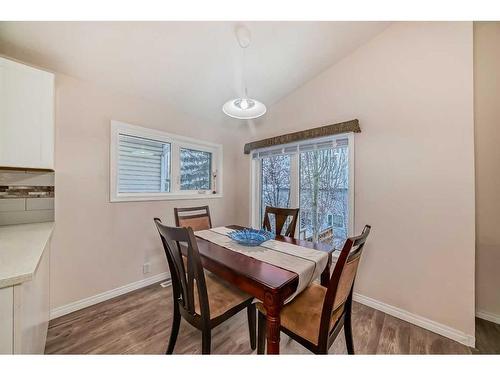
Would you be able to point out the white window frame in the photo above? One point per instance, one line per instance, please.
(177, 142)
(255, 175)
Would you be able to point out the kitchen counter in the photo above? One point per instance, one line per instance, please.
(21, 248)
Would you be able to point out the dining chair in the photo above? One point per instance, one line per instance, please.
(281, 216)
(197, 218)
(203, 300)
(315, 317)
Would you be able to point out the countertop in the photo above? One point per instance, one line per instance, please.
(21, 248)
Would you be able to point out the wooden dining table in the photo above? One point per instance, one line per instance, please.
(269, 283)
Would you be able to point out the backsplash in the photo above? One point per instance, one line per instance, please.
(26, 192)
(26, 197)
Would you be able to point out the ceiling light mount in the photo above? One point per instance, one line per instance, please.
(243, 36)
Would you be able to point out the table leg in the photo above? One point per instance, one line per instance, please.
(325, 275)
(272, 304)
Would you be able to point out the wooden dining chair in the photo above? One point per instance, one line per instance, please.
(281, 216)
(203, 300)
(315, 317)
(197, 218)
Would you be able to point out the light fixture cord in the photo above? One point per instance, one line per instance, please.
(243, 72)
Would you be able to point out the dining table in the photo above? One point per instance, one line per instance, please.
(270, 284)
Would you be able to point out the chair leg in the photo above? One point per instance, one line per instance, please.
(175, 330)
(206, 339)
(321, 351)
(251, 311)
(348, 330)
(261, 338)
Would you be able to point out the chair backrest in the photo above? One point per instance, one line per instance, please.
(342, 280)
(197, 218)
(184, 281)
(281, 215)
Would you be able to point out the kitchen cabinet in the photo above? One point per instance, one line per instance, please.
(25, 288)
(26, 116)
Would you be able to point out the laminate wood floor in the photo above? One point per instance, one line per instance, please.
(139, 323)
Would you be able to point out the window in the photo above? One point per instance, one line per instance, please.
(196, 169)
(316, 176)
(324, 192)
(143, 165)
(148, 164)
(275, 177)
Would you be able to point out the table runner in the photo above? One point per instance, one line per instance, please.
(307, 263)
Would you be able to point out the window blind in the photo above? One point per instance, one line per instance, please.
(313, 144)
(143, 165)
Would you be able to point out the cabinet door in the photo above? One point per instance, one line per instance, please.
(26, 116)
(31, 309)
(6, 320)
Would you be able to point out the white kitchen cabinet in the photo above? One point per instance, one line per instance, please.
(6, 320)
(26, 116)
(25, 311)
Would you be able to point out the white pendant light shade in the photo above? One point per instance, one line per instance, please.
(244, 108)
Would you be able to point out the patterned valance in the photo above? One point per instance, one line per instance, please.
(322, 131)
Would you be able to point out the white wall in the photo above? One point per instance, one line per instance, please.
(487, 121)
(411, 88)
(98, 245)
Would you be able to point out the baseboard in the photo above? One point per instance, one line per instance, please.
(418, 320)
(101, 297)
(495, 318)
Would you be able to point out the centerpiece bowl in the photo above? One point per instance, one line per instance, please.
(251, 237)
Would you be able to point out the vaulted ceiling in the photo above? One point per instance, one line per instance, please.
(193, 66)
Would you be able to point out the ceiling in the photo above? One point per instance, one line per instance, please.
(193, 66)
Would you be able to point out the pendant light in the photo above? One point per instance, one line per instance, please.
(244, 108)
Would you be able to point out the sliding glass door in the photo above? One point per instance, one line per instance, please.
(275, 182)
(324, 194)
(317, 177)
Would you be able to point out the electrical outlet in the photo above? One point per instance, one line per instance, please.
(146, 268)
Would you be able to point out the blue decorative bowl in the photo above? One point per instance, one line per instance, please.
(251, 237)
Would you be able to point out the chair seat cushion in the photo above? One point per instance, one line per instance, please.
(222, 296)
(303, 314)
